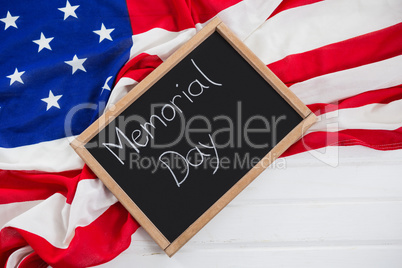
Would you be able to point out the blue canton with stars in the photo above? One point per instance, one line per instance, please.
(58, 61)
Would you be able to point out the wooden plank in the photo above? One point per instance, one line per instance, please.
(306, 222)
(280, 223)
(311, 255)
(325, 184)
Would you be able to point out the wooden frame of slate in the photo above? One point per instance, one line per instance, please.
(156, 211)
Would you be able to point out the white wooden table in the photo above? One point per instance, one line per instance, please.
(301, 212)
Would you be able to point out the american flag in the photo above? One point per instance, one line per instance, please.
(63, 62)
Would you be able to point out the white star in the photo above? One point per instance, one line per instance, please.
(76, 63)
(16, 76)
(104, 33)
(9, 20)
(52, 100)
(43, 42)
(69, 10)
(106, 86)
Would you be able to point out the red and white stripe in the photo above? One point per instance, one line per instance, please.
(341, 57)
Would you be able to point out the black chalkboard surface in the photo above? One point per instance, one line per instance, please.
(198, 130)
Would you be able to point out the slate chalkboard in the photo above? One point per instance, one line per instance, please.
(197, 133)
